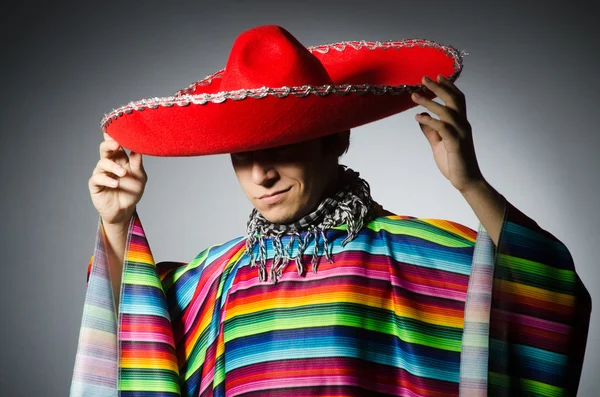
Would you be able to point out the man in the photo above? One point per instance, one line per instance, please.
(392, 305)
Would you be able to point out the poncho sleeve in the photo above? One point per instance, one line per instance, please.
(142, 359)
(526, 316)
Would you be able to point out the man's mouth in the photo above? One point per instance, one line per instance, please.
(271, 198)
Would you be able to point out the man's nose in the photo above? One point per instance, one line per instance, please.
(263, 173)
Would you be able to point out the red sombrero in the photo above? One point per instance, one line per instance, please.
(274, 91)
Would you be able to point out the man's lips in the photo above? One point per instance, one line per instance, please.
(273, 194)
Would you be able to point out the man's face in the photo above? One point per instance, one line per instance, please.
(287, 182)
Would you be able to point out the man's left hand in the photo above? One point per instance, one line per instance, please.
(450, 137)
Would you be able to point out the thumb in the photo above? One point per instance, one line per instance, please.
(135, 162)
(430, 133)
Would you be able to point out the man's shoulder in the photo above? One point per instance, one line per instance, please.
(421, 226)
(219, 249)
(216, 252)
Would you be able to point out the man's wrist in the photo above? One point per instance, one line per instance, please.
(476, 187)
(115, 228)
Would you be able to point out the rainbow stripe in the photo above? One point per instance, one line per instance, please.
(406, 309)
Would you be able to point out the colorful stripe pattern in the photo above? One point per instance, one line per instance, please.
(403, 311)
(475, 347)
(540, 313)
(95, 372)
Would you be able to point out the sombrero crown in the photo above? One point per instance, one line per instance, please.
(274, 91)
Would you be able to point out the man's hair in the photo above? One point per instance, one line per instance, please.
(338, 143)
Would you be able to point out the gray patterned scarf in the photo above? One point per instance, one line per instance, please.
(352, 205)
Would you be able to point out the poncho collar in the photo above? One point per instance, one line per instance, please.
(352, 205)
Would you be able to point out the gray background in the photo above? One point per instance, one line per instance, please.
(529, 80)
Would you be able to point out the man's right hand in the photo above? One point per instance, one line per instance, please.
(115, 195)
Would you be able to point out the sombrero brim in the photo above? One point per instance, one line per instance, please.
(371, 81)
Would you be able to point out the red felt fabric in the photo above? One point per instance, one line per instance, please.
(269, 56)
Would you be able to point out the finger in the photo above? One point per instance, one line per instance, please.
(449, 84)
(107, 148)
(135, 160)
(458, 95)
(445, 113)
(430, 133)
(113, 150)
(100, 181)
(430, 104)
(107, 165)
(443, 129)
(107, 137)
(136, 165)
(444, 93)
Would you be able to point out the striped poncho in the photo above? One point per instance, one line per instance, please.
(410, 307)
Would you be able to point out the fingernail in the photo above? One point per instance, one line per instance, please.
(417, 95)
(427, 78)
(120, 171)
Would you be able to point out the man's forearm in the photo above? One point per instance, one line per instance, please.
(116, 238)
(488, 206)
